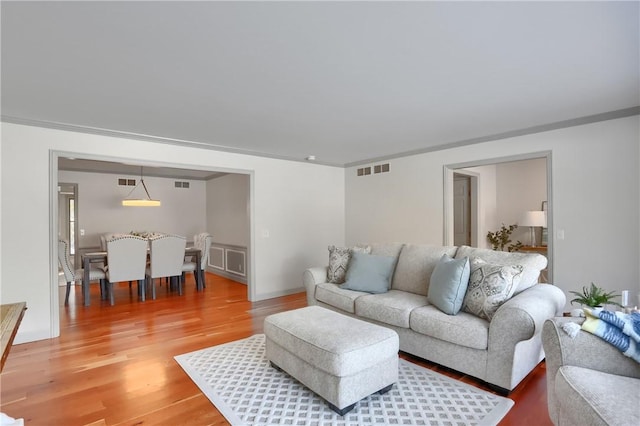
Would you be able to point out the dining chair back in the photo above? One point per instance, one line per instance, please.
(108, 236)
(71, 274)
(167, 257)
(126, 261)
(65, 261)
(205, 247)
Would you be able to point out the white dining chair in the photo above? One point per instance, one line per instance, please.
(72, 275)
(201, 241)
(166, 259)
(126, 261)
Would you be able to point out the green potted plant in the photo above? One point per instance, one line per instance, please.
(594, 296)
(502, 238)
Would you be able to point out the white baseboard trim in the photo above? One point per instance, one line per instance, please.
(265, 296)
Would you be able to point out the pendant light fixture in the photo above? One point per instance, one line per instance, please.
(140, 202)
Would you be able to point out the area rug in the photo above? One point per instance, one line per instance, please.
(238, 379)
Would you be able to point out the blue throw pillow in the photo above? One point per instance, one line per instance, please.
(448, 285)
(369, 273)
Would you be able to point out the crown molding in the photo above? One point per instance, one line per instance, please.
(151, 138)
(611, 115)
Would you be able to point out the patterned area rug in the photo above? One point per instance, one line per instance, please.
(239, 381)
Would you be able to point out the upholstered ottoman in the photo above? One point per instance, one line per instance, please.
(340, 358)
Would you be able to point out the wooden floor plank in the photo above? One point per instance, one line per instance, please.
(113, 365)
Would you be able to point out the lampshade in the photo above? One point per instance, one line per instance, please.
(140, 202)
(533, 218)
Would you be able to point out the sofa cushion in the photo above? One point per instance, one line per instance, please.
(369, 273)
(386, 249)
(415, 266)
(339, 258)
(393, 307)
(489, 287)
(533, 263)
(463, 329)
(333, 295)
(448, 285)
(590, 397)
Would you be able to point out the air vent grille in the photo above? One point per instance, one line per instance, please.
(378, 168)
(126, 182)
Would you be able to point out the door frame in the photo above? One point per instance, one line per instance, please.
(448, 171)
(53, 218)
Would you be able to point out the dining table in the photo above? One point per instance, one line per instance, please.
(101, 257)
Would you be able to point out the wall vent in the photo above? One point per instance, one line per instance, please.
(180, 184)
(378, 168)
(126, 182)
(364, 171)
(381, 168)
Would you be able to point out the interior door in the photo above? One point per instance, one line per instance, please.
(461, 210)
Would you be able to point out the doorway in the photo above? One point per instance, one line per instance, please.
(506, 189)
(465, 208)
(60, 218)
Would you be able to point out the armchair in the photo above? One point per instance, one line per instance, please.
(589, 382)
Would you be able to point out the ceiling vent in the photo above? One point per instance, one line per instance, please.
(181, 184)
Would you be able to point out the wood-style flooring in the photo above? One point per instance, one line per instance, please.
(113, 365)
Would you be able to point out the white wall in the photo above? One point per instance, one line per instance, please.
(595, 195)
(228, 209)
(521, 186)
(100, 210)
(295, 201)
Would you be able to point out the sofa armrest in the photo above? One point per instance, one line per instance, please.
(530, 308)
(584, 350)
(312, 277)
(518, 320)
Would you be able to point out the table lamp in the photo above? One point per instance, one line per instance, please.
(532, 219)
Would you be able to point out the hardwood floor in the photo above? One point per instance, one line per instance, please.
(113, 365)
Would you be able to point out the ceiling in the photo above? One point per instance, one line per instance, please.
(348, 82)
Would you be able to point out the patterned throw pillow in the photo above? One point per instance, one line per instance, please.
(339, 258)
(490, 285)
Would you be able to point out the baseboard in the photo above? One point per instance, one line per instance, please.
(234, 277)
(265, 296)
(31, 336)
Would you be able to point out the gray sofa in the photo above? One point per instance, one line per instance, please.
(500, 352)
(589, 382)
